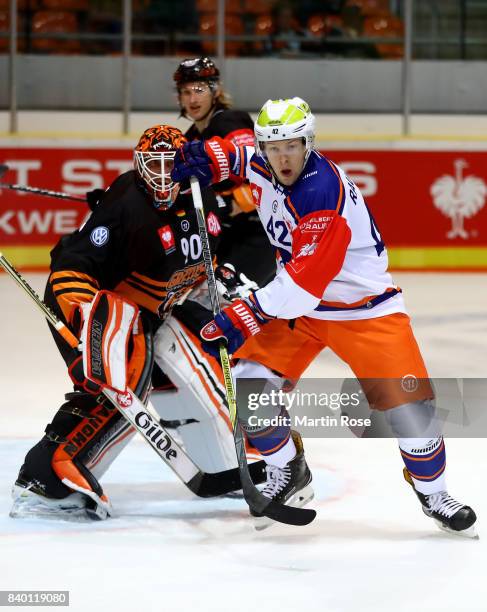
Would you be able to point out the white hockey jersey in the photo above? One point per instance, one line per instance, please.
(363, 288)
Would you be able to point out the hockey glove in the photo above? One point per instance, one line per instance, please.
(234, 324)
(232, 284)
(77, 374)
(209, 160)
(93, 197)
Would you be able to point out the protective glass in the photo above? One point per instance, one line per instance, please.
(198, 89)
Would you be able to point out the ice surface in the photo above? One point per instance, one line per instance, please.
(370, 549)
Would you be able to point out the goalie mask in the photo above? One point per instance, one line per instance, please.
(154, 160)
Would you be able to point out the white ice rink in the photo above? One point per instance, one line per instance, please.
(370, 548)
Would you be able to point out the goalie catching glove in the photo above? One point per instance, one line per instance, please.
(234, 324)
(108, 330)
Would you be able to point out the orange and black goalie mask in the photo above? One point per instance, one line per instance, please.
(154, 160)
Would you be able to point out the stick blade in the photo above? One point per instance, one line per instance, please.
(289, 515)
(220, 483)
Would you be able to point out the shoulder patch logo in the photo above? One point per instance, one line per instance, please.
(214, 227)
(167, 238)
(99, 236)
(256, 193)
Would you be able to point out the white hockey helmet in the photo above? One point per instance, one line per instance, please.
(284, 120)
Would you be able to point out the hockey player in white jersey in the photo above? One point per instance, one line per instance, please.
(333, 290)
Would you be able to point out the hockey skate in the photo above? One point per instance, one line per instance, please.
(29, 501)
(450, 516)
(289, 485)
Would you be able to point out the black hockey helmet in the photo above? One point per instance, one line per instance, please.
(196, 69)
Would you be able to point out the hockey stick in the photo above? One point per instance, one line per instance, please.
(203, 484)
(255, 499)
(45, 192)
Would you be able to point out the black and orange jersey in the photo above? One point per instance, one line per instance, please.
(150, 256)
(234, 125)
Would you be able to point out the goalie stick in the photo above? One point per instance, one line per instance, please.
(203, 484)
(92, 197)
(254, 498)
(46, 192)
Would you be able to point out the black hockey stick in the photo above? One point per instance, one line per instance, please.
(203, 484)
(255, 499)
(45, 192)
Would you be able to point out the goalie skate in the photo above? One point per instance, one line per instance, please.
(289, 485)
(28, 504)
(450, 516)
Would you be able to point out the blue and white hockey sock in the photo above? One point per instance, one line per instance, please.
(425, 460)
(275, 442)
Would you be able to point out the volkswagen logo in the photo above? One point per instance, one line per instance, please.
(99, 236)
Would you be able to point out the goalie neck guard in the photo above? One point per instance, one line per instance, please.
(154, 160)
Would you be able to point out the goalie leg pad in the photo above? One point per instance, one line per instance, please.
(84, 438)
(198, 398)
(79, 445)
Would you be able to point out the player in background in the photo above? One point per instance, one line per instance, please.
(203, 100)
(243, 249)
(333, 290)
(137, 257)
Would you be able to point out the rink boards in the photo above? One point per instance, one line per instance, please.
(429, 204)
